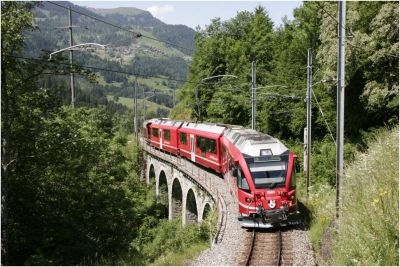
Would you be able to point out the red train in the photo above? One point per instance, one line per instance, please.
(258, 168)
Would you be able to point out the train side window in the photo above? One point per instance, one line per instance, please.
(155, 132)
(293, 180)
(183, 138)
(241, 179)
(211, 146)
(201, 143)
(206, 145)
(167, 134)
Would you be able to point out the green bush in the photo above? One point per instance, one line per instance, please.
(323, 160)
(164, 242)
(369, 220)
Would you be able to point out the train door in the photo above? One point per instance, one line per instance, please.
(192, 152)
(160, 138)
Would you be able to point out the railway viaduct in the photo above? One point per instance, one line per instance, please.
(189, 191)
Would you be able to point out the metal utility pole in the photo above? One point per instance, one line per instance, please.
(197, 101)
(135, 110)
(340, 101)
(308, 132)
(253, 95)
(143, 105)
(173, 97)
(71, 59)
(305, 154)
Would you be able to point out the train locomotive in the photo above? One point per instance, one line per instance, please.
(258, 169)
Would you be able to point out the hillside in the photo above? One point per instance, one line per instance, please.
(125, 51)
(180, 35)
(128, 13)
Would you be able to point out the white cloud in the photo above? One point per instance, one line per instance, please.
(159, 11)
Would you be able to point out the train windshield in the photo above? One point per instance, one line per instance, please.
(268, 171)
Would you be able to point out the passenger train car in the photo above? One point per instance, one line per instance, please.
(258, 168)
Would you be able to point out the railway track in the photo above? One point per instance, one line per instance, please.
(272, 248)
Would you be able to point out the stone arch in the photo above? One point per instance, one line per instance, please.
(191, 208)
(162, 197)
(206, 211)
(152, 175)
(176, 200)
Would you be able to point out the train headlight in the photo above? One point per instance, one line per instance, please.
(265, 152)
(272, 203)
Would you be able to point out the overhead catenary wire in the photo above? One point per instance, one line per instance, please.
(222, 101)
(98, 68)
(224, 82)
(116, 71)
(65, 72)
(293, 96)
(222, 89)
(260, 96)
(137, 34)
(323, 116)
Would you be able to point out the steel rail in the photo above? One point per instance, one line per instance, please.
(250, 252)
(251, 258)
(279, 261)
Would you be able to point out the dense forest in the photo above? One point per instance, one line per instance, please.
(71, 189)
(281, 57)
(229, 47)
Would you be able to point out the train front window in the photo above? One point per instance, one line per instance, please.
(269, 171)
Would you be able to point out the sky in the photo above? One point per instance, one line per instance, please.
(193, 13)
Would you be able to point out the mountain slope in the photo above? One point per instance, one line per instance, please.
(125, 51)
(180, 35)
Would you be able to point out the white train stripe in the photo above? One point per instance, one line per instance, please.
(174, 147)
(247, 207)
(185, 151)
(155, 142)
(206, 159)
(163, 144)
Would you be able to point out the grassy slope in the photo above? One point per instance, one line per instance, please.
(128, 102)
(127, 11)
(368, 229)
(153, 83)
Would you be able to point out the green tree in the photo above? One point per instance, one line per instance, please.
(228, 48)
(75, 202)
(15, 20)
(382, 65)
(371, 62)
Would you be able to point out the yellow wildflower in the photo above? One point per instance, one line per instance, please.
(375, 202)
